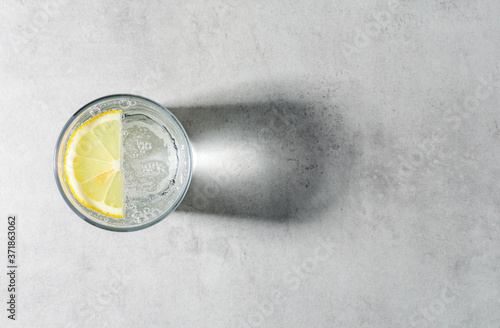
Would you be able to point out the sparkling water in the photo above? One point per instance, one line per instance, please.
(149, 166)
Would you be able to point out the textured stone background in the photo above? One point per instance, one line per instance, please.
(347, 162)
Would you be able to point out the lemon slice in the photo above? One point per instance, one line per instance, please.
(92, 165)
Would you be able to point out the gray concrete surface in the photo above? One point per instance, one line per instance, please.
(347, 163)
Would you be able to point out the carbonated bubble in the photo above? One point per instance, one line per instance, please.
(95, 111)
(124, 103)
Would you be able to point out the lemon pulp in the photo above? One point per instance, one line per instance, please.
(92, 164)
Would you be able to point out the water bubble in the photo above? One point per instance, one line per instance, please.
(124, 103)
(136, 217)
(143, 146)
(95, 111)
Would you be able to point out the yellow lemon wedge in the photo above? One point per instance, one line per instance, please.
(92, 164)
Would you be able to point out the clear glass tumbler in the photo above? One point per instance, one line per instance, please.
(155, 164)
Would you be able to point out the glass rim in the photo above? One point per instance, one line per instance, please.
(117, 228)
